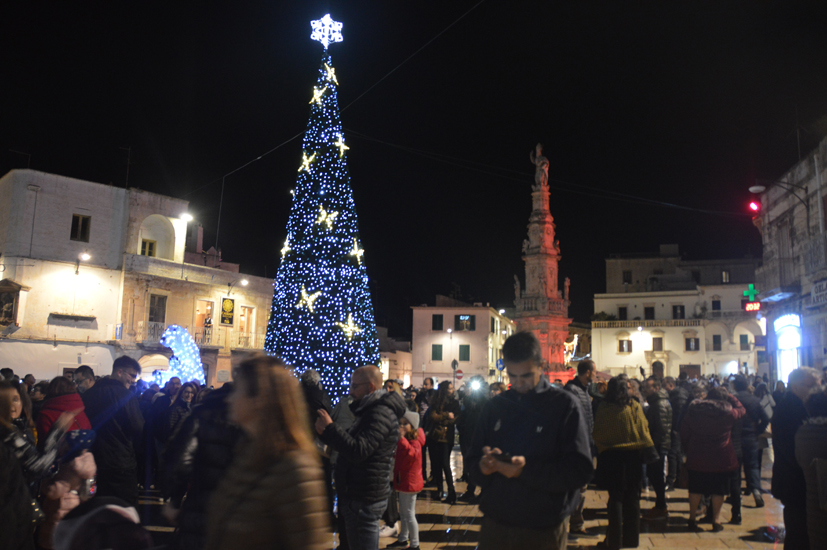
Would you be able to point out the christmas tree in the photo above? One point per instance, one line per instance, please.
(322, 314)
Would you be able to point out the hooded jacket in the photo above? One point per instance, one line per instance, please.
(54, 407)
(116, 417)
(548, 427)
(407, 468)
(363, 467)
(706, 435)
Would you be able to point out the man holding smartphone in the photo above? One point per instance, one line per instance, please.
(530, 454)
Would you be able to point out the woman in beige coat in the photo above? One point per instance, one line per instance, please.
(273, 495)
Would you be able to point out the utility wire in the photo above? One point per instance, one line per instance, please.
(592, 191)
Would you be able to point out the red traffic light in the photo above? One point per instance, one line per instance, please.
(755, 206)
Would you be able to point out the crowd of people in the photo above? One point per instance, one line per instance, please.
(269, 458)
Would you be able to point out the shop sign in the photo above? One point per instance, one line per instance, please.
(227, 311)
(818, 294)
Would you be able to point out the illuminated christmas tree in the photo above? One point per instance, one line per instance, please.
(322, 314)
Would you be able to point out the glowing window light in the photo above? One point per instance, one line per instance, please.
(326, 30)
(185, 362)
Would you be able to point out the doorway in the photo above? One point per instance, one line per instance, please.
(657, 369)
(692, 371)
(245, 327)
(203, 321)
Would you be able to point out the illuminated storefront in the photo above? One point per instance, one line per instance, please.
(788, 339)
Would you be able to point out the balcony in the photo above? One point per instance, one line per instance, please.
(777, 280)
(649, 323)
(208, 337)
(540, 305)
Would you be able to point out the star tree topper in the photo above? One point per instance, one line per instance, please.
(326, 30)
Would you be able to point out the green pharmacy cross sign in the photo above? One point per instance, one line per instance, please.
(751, 293)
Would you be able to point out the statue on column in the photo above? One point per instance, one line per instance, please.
(566, 285)
(516, 290)
(541, 162)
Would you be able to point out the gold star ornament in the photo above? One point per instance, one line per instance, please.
(307, 300)
(358, 252)
(326, 217)
(341, 145)
(349, 329)
(306, 161)
(317, 95)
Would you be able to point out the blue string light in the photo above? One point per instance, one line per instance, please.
(185, 362)
(322, 258)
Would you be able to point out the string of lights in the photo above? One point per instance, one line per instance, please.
(185, 362)
(322, 313)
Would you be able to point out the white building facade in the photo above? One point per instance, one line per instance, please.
(677, 316)
(471, 335)
(90, 272)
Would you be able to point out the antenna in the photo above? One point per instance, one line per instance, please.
(798, 129)
(128, 150)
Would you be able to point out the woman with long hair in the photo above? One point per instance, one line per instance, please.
(621, 433)
(440, 430)
(706, 437)
(273, 493)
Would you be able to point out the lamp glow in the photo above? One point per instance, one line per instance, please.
(244, 282)
(186, 217)
(85, 257)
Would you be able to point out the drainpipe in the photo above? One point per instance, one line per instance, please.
(36, 189)
(820, 197)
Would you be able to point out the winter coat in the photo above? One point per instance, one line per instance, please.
(811, 444)
(659, 415)
(679, 398)
(173, 417)
(36, 465)
(116, 417)
(282, 506)
(407, 468)
(363, 467)
(438, 418)
(548, 427)
(621, 428)
(788, 484)
(768, 403)
(755, 421)
(316, 398)
(198, 457)
(706, 435)
(54, 407)
(469, 415)
(15, 504)
(581, 392)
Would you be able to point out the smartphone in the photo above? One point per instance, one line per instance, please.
(503, 457)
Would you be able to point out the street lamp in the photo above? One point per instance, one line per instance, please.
(786, 185)
(83, 256)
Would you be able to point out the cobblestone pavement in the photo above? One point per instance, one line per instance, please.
(457, 526)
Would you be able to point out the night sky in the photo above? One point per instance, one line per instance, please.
(656, 117)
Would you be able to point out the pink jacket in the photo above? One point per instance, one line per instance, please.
(407, 469)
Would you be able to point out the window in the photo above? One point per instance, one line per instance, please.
(465, 322)
(716, 342)
(725, 276)
(627, 277)
(464, 352)
(147, 248)
(657, 343)
(80, 228)
(744, 342)
(622, 313)
(493, 325)
(436, 322)
(624, 346)
(716, 305)
(649, 313)
(693, 344)
(436, 352)
(678, 312)
(157, 308)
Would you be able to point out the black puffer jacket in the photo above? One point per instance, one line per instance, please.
(659, 416)
(116, 417)
(679, 398)
(173, 417)
(582, 394)
(15, 504)
(756, 420)
(199, 454)
(364, 465)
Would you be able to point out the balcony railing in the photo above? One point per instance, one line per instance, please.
(216, 337)
(729, 314)
(543, 306)
(649, 323)
(776, 273)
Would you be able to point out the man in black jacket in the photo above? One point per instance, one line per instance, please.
(531, 455)
(116, 417)
(679, 396)
(579, 386)
(752, 425)
(659, 415)
(364, 464)
(788, 483)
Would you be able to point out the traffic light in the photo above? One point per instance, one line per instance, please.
(755, 206)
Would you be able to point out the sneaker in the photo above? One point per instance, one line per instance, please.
(736, 519)
(656, 513)
(398, 544)
(759, 500)
(388, 531)
(670, 487)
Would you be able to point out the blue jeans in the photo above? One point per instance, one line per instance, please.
(362, 522)
(751, 471)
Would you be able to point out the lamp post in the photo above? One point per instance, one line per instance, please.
(790, 188)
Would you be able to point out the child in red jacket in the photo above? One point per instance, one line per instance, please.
(407, 478)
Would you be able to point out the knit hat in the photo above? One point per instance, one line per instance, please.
(412, 418)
